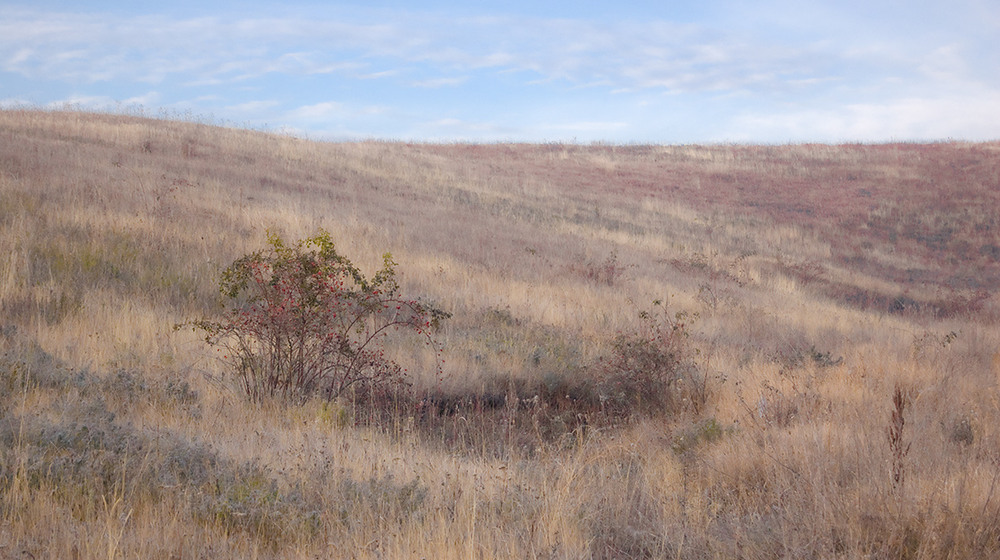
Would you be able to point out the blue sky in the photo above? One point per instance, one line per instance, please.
(771, 71)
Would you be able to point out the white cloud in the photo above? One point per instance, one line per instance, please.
(454, 129)
(318, 111)
(584, 126)
(449, 122)
(14, 103)
(944, 63)
(91, 102)
(306, 63)
(378, 75)
(333, 111)
(252, 106)
(17, 58)
(147, 99)
(104, 102)
(440, 82)
(969, 117)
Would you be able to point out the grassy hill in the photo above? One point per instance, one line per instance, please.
(833, 309)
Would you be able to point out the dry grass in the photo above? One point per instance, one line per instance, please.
(823, 279)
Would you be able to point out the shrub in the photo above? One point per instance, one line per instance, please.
(607, 272)
(651, 370)
(301, 320)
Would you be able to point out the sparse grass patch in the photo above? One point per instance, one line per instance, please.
(248, 499)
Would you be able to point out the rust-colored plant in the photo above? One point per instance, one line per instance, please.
(301, 320)
(897, 446)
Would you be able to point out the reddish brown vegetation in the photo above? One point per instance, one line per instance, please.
(935, 206)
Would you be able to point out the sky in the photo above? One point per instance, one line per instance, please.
(769, 71)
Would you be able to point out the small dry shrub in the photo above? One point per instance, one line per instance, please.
(706, 431)
(248, 499)
(651, 370)
(606, 272)
(961, 431)
(301, 320)
(384, 494)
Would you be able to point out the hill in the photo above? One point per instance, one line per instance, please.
(825, 318)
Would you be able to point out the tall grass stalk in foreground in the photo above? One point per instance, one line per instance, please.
(897, 446)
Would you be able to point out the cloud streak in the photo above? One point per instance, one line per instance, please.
(769, 76)
(630, 55)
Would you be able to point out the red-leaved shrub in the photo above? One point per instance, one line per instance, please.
(301, 320)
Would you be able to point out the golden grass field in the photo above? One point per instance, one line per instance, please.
(819, 283)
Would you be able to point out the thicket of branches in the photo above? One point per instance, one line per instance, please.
(301, 320)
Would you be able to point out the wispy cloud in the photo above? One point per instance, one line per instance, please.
(778, 70)
(439, 82)
(585, 126)
(455, 129)
(252, 106)
(92, 102)
(629, 55)
(332, 110)
(14, 103)
(104, 102)
(147, 99)
(904, 118)
(319, 112)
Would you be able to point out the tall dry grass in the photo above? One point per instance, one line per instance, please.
(823, 278)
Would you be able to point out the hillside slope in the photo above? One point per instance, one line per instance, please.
(813, 283)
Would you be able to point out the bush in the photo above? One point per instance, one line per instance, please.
(301, 320)
(651, 370)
